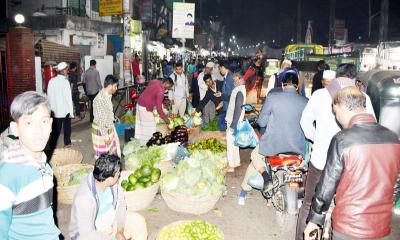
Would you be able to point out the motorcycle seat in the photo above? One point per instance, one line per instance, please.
(284, 160)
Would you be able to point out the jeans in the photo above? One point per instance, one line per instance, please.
(221, 122)
(59, 123)
(311, 183)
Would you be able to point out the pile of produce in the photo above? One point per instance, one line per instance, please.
(76, 177)
(193, 119)
(191, 230)
(212, 126)
(128, 118)
(143, 177)
(176, 122)
(157, 116)
(146, 156)
(132, 146)
(180, 134)
(208, 144)
(199, 175)
(137, 155)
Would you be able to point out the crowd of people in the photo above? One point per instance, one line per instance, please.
(354, 159)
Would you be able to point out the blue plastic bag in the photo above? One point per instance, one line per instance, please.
(245, 136)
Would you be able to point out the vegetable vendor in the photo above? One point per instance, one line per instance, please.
(209, 98)
(152, 97)
(26, 180)
(104, 136)
(234, 115)
(99, 207)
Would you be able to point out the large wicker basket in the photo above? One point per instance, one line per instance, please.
(141, 198)
(177, 223)
(191, 205)
(65, 193)
(64, 156)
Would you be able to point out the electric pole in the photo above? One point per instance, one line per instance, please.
(384, 23)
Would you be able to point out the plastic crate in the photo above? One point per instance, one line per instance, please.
(121, 128)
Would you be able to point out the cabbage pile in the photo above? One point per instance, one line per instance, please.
(157, 116)
(146, 156)
(193, 119)
(199, 175)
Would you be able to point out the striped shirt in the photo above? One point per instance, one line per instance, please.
(24, 180)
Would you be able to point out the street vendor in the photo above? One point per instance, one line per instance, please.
(152, 97)
(99, 207)
(26, 180)
(104, 136)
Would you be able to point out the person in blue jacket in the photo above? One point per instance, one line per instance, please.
(225, 93)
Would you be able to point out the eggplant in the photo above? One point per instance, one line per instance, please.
(157, 135)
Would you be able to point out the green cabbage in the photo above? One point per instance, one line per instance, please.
(170, 181)
(132, 146)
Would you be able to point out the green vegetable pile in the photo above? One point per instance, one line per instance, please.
(132, 146)
(146, 156)
(143, 177)
(212, 126)
(128, 118)
(76, 177)
(199, 175)
(192, 230)
(176, 122)
(208, 144)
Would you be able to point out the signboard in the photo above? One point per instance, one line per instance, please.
(110, 7)
(183, 20)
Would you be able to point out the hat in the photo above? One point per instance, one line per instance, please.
(329, 75)
(210, 65)
(338, 83)
(288, 62)
(62, 66)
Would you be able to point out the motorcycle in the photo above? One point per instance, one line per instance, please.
(287, 171)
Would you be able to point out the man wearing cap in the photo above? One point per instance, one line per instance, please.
(327, 77)
(209, 108)
(319, 110)
(272, 82)
(60, 98)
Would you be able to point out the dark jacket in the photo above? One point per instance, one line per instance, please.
(281, 114)
(227, 89)
(362, 166)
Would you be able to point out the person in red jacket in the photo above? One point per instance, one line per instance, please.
(136, 67)
(152, 97)
(361, 169)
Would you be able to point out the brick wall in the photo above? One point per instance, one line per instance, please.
(51, 51)
(20, 61)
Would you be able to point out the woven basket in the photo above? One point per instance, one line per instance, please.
(141, 198)
(177, 223)
(65, 156)
(65, 193)
(191, 205)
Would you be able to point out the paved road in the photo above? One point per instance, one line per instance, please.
(254, 221)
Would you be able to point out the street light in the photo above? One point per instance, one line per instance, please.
(233, 36)
(19, 18)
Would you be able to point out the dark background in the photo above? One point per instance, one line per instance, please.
(267, 20)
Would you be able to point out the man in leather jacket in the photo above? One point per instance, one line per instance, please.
(362, 166)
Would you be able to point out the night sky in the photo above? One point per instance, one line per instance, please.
(267, 20)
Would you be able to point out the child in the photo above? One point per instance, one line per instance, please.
(26, 180)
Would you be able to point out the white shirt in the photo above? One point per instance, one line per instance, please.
(216, 75)
(202, 85)
(319, 109)
(60, 97)
(180, 89)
